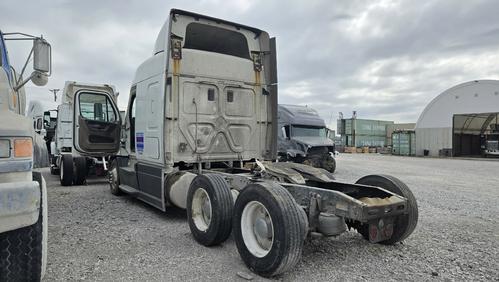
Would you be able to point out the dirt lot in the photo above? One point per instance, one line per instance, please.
(97, 236)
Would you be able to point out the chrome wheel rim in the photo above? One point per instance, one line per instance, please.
(257, 229)
(201, 209)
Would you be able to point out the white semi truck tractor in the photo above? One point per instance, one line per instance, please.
(85, 134)
(23, 196)
(200, 134)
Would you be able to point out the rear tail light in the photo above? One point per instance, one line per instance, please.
(23, 148)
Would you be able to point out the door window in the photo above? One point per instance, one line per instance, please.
(132, 122)
(96, 107)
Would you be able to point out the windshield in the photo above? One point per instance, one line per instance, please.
(4, 59)
(308, 131)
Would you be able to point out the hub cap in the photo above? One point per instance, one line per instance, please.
(201, 209)
(257, 229)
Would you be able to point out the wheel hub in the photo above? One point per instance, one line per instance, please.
(201, 209)
(257, 229)
(263, 232)
(206, 209)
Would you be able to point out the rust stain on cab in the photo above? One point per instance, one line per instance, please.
(176, 66)
(257, 80)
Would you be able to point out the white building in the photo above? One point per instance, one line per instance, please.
(458, 120)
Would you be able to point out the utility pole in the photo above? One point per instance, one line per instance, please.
(55, 90)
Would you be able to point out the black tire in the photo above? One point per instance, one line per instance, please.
(21, 252)
(80, 170)
(66, 170)
(54, 170)
(326, 162)
(289, 225)
(114, 179)
(218, 229)
(329, 163)
(405, 224)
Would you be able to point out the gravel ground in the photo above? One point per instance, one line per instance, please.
(94, 235)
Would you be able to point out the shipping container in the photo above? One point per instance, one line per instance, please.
(363, 141)
(404, 143)
(366, 127)
(390, 128)
(363, 132)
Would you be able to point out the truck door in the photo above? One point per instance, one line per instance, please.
(97, 122)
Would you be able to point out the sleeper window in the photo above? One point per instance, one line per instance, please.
(216, 39)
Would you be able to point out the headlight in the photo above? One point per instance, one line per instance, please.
(23, 148)
(4, 148)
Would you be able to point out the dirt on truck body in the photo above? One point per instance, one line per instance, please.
(23, 192)
(200, 134)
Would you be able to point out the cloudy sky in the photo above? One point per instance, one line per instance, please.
(384, 59)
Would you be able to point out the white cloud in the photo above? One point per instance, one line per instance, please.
(385, 59)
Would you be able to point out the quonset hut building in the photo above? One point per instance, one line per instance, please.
(457, 121)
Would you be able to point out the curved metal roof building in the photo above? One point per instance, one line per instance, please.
(454, 121)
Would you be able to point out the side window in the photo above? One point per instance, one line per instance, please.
(46, 119)
(97, 107)
(285, 131)
(39, 124)
(132, 114)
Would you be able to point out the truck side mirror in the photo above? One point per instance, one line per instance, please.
(42, 56)
(285, 132)
(39, 78)
(98, 114)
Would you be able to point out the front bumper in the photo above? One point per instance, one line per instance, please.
(19, 204)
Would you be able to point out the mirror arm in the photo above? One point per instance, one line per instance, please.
(24, 68)
(21, 84)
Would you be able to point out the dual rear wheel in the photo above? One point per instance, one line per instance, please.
(269, 227)
(72, 170)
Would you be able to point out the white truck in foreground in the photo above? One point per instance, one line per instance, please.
(23, 196)
(87, 122)
(200, 134)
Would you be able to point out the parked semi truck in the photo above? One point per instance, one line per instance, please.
(200, 134)
(302, 137)
(44, 122)
(85, 133)
(23, 196)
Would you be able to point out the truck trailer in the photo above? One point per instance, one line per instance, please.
(200, 134)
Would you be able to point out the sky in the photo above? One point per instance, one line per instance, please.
(383, 59)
